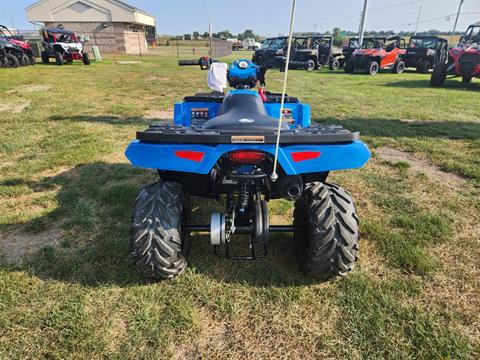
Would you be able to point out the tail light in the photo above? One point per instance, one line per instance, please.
(246, 157)
(196, 156)
(305, 155)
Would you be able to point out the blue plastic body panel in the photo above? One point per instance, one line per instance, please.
(163, 157)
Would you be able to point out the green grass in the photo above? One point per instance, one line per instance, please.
(414, 293)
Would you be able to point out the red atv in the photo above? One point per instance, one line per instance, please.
(378, 53)
(463, 60)
(6, 34)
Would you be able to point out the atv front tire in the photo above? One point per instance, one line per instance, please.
(399, 67)
(349, 67)
(59, 58)
(328, 247)
(312, 65)
(156, 233)
(11, 61)
(86, 59)
(439, 75)
(335, 65)
(45, 58)
(373, 68)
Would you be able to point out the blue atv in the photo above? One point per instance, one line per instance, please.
(223, 147)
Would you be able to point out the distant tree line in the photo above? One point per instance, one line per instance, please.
(337, 33)
(224, 34)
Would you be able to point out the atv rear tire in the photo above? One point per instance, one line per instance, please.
(373, 68)
(329, 245)
(59, 58)
(312, 65)
(45, 58)
(439, 75)
(86, 59)
(399, 67)
(156, 234)
(11, 61)
(335, 65)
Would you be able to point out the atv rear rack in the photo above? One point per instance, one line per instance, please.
(322, 134)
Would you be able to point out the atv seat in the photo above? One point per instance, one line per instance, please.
(243, 112)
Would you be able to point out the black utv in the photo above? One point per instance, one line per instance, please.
(316, 51)
(425, 52)
(11, 56)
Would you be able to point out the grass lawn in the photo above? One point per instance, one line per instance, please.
(65, 184)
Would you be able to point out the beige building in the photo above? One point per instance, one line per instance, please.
(112, 25)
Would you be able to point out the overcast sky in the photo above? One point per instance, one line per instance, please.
(270, 17)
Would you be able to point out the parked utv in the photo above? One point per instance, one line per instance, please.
(463, 59)
(376, 54)
(425, 52)
(223, 147)
(316, 51)
(11, 55)
(352, 46)
(6, 34)
(63, 46)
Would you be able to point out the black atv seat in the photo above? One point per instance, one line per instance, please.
(217, 97)
(243, 112)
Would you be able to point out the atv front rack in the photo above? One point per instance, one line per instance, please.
(322, 134)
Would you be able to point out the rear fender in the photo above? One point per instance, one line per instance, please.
(319, 158)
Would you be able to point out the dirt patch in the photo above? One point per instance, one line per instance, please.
(127, 62)
(166, 116)
(419, 166)
(29, 89)
(157, 78)
(14, 108)
(14, 246)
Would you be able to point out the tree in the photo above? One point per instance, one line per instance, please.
(337, 36)
(247, 34)
(196, 35)
(206, 35)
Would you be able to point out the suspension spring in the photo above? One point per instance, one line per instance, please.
(244, 196)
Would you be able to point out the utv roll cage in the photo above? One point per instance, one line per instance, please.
(53, 35)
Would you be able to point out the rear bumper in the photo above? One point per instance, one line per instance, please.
(340, 156)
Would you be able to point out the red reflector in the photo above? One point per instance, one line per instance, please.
(246, 157)
(190, 155)
(305, 155)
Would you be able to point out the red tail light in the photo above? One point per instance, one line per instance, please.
(190, 155)
(246, 157)
(305, 155)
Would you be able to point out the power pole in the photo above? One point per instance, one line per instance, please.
(456, 19)
(418, 19)
(361, 29)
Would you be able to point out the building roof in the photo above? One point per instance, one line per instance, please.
(87, 11)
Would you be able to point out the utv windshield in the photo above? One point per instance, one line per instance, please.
(277, 44)
(372, 44)
(353, 43)
(266, 44)
(423, 43)
(472, 35)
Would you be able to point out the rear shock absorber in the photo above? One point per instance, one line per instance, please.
(244, 196)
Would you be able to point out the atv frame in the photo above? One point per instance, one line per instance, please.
(463, 59)
(425, 53)
(375, 54)
(223, 147)
(27, 58)
(63, 46)
(315, 51)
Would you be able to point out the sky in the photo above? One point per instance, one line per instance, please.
(271, 17)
